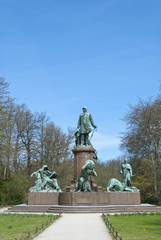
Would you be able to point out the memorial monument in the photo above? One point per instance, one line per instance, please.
(83, 189)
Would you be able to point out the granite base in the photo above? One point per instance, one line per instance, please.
(84, 199)
(43, 198)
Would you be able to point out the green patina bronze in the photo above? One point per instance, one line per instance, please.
(46, 181)
(83, 183)
(126, 171)
(116, 186)
(83, 129)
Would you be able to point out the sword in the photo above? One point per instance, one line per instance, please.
(92, 134)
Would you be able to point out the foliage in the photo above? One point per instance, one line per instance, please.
(144, 181)
(142, 142)
(66, 172)
(13, 190)
(106, 171)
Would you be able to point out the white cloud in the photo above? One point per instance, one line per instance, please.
(101, 141)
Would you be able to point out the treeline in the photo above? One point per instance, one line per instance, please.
(28, 141)
(142, 143)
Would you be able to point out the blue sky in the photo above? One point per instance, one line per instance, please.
(60, 55)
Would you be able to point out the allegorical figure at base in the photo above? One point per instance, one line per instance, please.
(46, 181)
(126, 171)
(116, 186)
(83, 183)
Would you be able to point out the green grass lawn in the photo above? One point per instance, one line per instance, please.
(138, 227)
(18, 225)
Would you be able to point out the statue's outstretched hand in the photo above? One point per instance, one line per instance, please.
(77, 130)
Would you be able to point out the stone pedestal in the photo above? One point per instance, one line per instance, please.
(99, 198)
(42, 198)
(81, 155)
(84, 199)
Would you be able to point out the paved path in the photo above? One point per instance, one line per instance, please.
(3, 209)
(76, 227)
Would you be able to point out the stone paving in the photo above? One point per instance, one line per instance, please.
(76, 227)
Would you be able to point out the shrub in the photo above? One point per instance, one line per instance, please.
(14, 190)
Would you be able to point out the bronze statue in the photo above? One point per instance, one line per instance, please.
(83, 128)
(45, 181)
(126, 171)
(83, 184)
(116, 186)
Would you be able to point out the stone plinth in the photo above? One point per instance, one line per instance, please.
(99, 198)
(84, 199)
(50, 198)
(81, 155)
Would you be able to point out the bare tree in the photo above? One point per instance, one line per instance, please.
(6, 128)
(42, 123)
(27, 130)
(57, 145)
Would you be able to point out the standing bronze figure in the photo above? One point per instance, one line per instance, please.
(83, 128)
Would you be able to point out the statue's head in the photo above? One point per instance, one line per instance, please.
(89, 164)
(84, 109)
(45, 167)
(125, 160)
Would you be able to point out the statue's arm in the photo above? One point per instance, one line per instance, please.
(34, 173)
(55, 174)
(79, 122)
(91, 121)
(94, 173)
(131, 171)
(85, 165)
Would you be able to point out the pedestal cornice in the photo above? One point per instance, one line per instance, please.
(83, 149)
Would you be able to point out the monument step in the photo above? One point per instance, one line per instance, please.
(78, 209)
(83, 209)
(83, 206)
